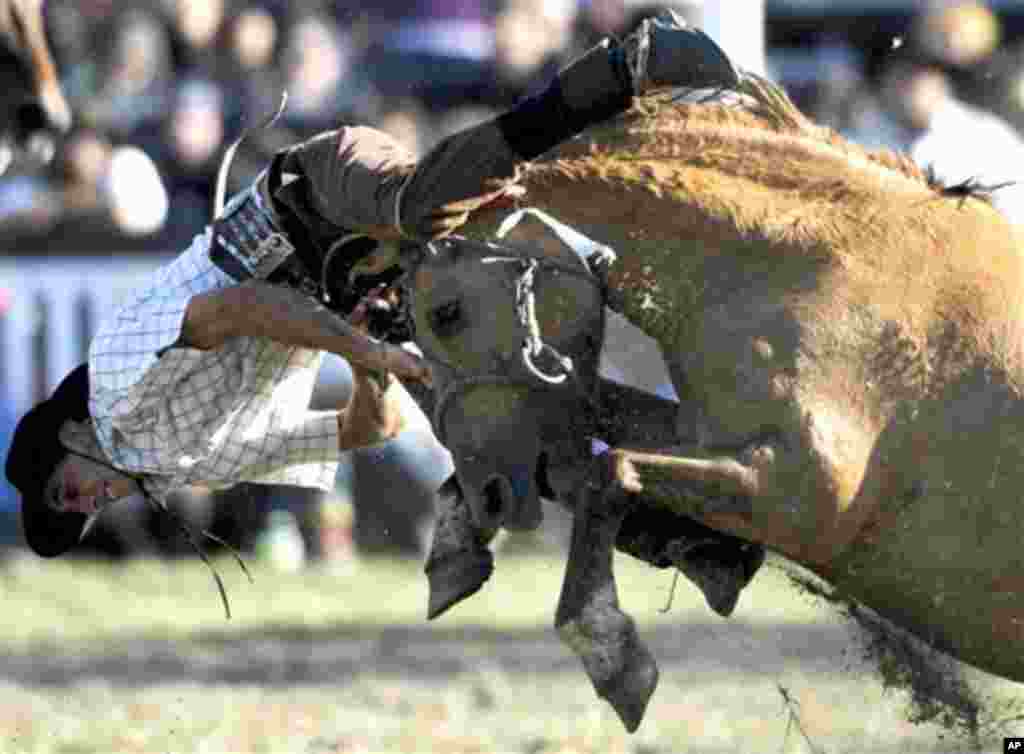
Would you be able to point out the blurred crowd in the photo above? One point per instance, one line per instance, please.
(949, 93)
(160, 87)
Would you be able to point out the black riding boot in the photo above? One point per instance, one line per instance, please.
(663, 52)
(666, 52)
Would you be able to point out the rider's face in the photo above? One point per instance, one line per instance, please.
(80, 484)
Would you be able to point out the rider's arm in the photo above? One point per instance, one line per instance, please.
(259, 309)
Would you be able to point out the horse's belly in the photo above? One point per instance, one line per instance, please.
(752, 389)
(905, 492)
(944, 554)
(961, 596)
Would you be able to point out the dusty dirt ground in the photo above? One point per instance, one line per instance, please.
(430, 688)
(103, 670)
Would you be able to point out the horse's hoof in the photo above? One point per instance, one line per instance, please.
(619, 665)
(455, 578)
(629, 691)
(720, 584)
(723, 577)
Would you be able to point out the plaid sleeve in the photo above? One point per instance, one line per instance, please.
(302, 453)
(125, 357)
(133, 365)
(216, 417)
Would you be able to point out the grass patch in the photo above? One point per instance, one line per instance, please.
(138, 658)
(95, 604)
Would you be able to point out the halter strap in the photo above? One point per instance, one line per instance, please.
(533, 345)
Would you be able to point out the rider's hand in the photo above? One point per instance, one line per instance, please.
(407, 365)
(363, 311)
(400, 362)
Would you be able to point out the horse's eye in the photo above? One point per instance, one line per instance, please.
(446, 319)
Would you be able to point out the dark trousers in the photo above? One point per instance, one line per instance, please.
(363, 181)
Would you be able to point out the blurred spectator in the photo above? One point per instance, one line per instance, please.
(827, 83)
(139, 203)
(598, 19)
(280, 544)
(252, 38)
(139, 76)
(868, 122)
(84, 166)
(532, 38)
(962, 38)
(188, 150)
(335, 526)
(441, 52)
(317, 62)
(937, 126)
(196, 126)
(195, 25)
(116, 188)
(253, 34)
(957, 33)
(74, 49)
(30, 203)
(1004, 93)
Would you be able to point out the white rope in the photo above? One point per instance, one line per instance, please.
(587, 249)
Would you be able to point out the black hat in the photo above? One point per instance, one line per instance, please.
(35, 453)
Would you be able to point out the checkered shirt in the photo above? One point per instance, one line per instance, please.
(181, 416)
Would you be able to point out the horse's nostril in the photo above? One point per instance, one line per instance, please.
(542, 480)
(31, 117)
(494, 502)
(446, 320)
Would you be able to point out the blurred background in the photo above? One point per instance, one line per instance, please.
(160, 87)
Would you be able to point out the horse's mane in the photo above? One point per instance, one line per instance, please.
(772, 108)
(748, 164)
(759, 133)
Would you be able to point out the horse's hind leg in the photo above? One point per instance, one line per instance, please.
(588, 617)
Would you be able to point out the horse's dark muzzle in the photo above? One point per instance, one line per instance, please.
(510, 501)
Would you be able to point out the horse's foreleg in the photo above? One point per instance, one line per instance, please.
(745, 492)
(588, 617)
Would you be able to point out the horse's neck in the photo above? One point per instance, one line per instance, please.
(552, 237)
(647, 292)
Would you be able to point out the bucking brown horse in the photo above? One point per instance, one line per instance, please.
(33, 111)
(845, 336)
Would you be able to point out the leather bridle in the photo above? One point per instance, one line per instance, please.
(524, 371)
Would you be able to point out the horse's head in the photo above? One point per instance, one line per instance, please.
(515, 342)
(34, 112)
